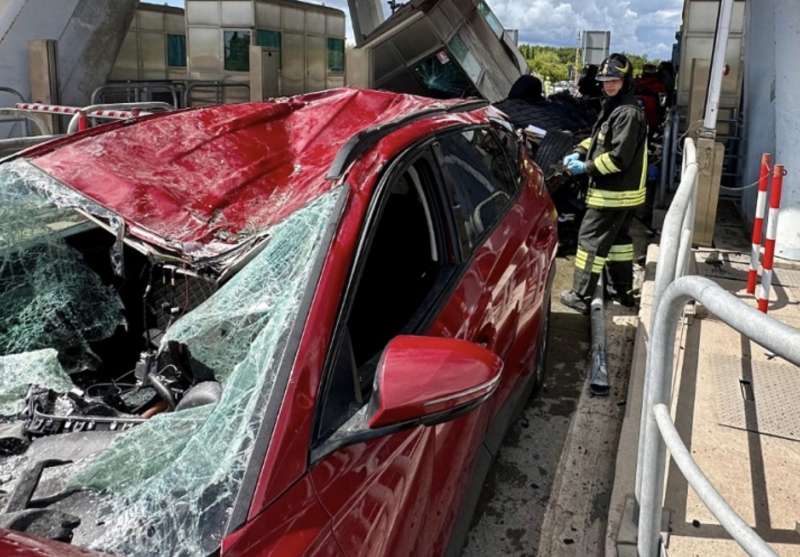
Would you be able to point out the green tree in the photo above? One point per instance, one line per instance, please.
(553, 63)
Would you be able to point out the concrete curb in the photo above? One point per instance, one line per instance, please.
(575, 516)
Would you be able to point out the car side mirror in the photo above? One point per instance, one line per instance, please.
(430, 380)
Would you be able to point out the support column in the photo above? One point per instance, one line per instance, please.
(787, 124)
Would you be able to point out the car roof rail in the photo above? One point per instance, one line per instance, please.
(368, 137)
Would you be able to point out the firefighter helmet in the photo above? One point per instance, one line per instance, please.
(616, 66)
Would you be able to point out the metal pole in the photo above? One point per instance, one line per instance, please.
(728, 519)
(769, 333)
(661, 196)
(598, 374)
(668, 252)
(718, 65)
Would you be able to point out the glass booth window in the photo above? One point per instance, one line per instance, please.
(491, 19)
(237, 51)
(270, 40)
(176, 51)
(335, 55)
(465, 58)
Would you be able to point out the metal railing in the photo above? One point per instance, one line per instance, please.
(139, 91)
(116, 111)
(8, 114)
(657, 432)
(218, 89)
(10, 119)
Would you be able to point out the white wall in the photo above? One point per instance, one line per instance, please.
(772, 110)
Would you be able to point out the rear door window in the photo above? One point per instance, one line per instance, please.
(479, 181)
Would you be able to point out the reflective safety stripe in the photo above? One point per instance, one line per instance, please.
(582, 257)
(586, 143)
(621, 252)
(605, 164)
(599, 198)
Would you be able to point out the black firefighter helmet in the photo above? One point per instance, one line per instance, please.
(616, 66)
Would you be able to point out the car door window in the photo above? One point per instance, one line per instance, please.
(399, 274)
(479, 181)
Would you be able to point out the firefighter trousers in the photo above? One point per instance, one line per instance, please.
(604, 244)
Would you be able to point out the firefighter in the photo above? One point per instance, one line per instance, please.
(615, 159)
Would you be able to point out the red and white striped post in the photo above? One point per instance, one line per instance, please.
(769, 246)
(83, 121)
(758, 224)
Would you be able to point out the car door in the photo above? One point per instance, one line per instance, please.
(484, 306)
(378, 491)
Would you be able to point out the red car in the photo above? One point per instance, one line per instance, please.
(290, 328)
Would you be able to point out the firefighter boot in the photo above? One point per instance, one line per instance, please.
(571, 299)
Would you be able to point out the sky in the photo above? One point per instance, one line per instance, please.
(637, 26)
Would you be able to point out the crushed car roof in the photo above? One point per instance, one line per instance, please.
(216, 175)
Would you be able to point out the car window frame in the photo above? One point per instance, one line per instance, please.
(449, 254)
(460, 260)
(467, 253)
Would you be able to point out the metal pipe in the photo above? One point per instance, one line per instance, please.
(769, 333)
(661, 195)
(718, 65)
(16, 115)
(598, 373)
(669, 249)
(739, 530)
(74, 123)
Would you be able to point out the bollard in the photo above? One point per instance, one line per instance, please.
(758, 224)
(769, 245)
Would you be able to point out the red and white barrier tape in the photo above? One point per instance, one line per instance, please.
(762, 294)
(758, 224)
(69, 110)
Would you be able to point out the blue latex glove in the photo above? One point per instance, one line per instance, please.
(571, 157)
(576, 167)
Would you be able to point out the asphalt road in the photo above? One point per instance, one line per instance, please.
(508, 520)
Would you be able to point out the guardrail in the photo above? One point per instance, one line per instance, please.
(17, 115)
(139, 91)
(118, 111)
(656, 430)
(218, 88)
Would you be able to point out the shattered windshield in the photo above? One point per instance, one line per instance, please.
(130, 402)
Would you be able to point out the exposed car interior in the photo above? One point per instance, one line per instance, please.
(402, 267)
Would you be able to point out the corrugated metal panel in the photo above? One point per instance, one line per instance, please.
(237, 13)
(316, 58)
(127, 63)
(154, 55)
(386, 60)
(268, 15)
(153, 21)
(203, 13)
(292, 19)
(293, 63)
(443, 25)
(315, 22)
(420, 38)
(175, 24)
(205, 50)
(334, 81)
(335, 25)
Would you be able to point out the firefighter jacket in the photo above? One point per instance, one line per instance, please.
(616, 156)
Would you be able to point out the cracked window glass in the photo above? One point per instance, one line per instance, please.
(442, 77)
(155, 463)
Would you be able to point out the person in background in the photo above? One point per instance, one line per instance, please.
(615, 159)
